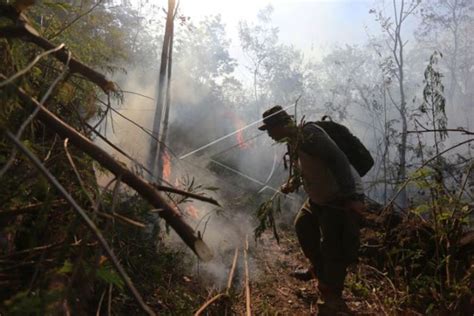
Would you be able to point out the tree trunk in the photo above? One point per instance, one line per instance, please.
(154, 158)
(164, 124)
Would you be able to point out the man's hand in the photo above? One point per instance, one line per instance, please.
(290, 186)
(286, 188)
(355, 206)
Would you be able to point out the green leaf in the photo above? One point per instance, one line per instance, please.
(66, 268)
(58, 5)
(107, 274)
(211, 189)
(421, 209)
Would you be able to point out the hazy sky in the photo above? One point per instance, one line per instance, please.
(313, 26)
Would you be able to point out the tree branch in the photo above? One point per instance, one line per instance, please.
(28, 33)
(459, 130)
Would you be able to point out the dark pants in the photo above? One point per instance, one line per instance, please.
(329, 238)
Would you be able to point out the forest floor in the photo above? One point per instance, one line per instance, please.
(273, 290)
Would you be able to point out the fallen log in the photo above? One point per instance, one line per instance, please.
(146, 190)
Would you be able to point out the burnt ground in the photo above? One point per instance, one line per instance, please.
(275, 292)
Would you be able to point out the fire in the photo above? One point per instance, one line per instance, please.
(239, 124)
(240, 139)
(166, 166)
(192, 211)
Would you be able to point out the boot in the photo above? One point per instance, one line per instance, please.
(304, 274)
(332, 304)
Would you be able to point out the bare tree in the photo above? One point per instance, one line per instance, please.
(395, 66)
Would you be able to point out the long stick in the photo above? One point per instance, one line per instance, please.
(147, 191)
(85, 218)
(247, 283)
(232, 270)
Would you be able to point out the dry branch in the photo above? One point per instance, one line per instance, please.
(147, 191)
(30, 208)
(232, 270)
(122, 218)
(26, 32)
(459, 130)
(186, 193)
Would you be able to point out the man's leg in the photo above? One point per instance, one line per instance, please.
(351, 236)
(309, 236)
(340, 243)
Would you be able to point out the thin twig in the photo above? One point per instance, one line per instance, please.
(75, 20)
(109, 305)
(39, 165)
(463, 185)
(122, 218)
(459, 130)
(383, 275)
(136, 93)
(31, 208)
(32, 250)
(30, 65)
(99, 307)
(187, 194)
(76, 172)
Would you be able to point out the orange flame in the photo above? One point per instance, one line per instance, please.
(240, 139)
(192, 211)
(166, 166)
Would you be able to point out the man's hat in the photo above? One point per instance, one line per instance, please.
(275, 116)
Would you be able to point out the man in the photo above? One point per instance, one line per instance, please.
(327, 225)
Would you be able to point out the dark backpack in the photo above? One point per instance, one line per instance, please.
(355, 151)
